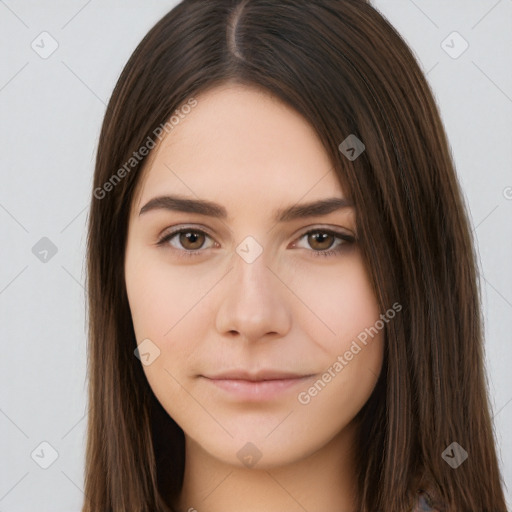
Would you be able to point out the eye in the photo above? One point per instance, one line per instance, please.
(322, 241)
(186, 241)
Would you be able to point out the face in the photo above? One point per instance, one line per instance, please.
(251, 309)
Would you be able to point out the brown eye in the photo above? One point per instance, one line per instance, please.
(191, 240)
(320, 240)
(324, 242)
(186, 241)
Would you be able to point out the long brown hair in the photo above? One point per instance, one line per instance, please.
(342, 66)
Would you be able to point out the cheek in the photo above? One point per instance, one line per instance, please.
(167, 305)
(161, 298)
(352, 354)
(161, 295)
(342, 302)
(348, 344)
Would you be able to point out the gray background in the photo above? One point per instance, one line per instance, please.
(51, 111)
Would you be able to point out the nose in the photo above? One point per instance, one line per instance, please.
(254, 302)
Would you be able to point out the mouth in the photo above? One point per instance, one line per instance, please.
(261, 386)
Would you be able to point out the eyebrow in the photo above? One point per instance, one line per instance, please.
(210, 209)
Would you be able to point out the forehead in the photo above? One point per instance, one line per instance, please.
(240, 143)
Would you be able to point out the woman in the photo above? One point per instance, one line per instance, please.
(284, 311)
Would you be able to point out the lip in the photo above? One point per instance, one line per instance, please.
(261, 386)
(260, 375)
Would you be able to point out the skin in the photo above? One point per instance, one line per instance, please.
(289, 309)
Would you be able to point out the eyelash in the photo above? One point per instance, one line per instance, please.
(347, 239)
